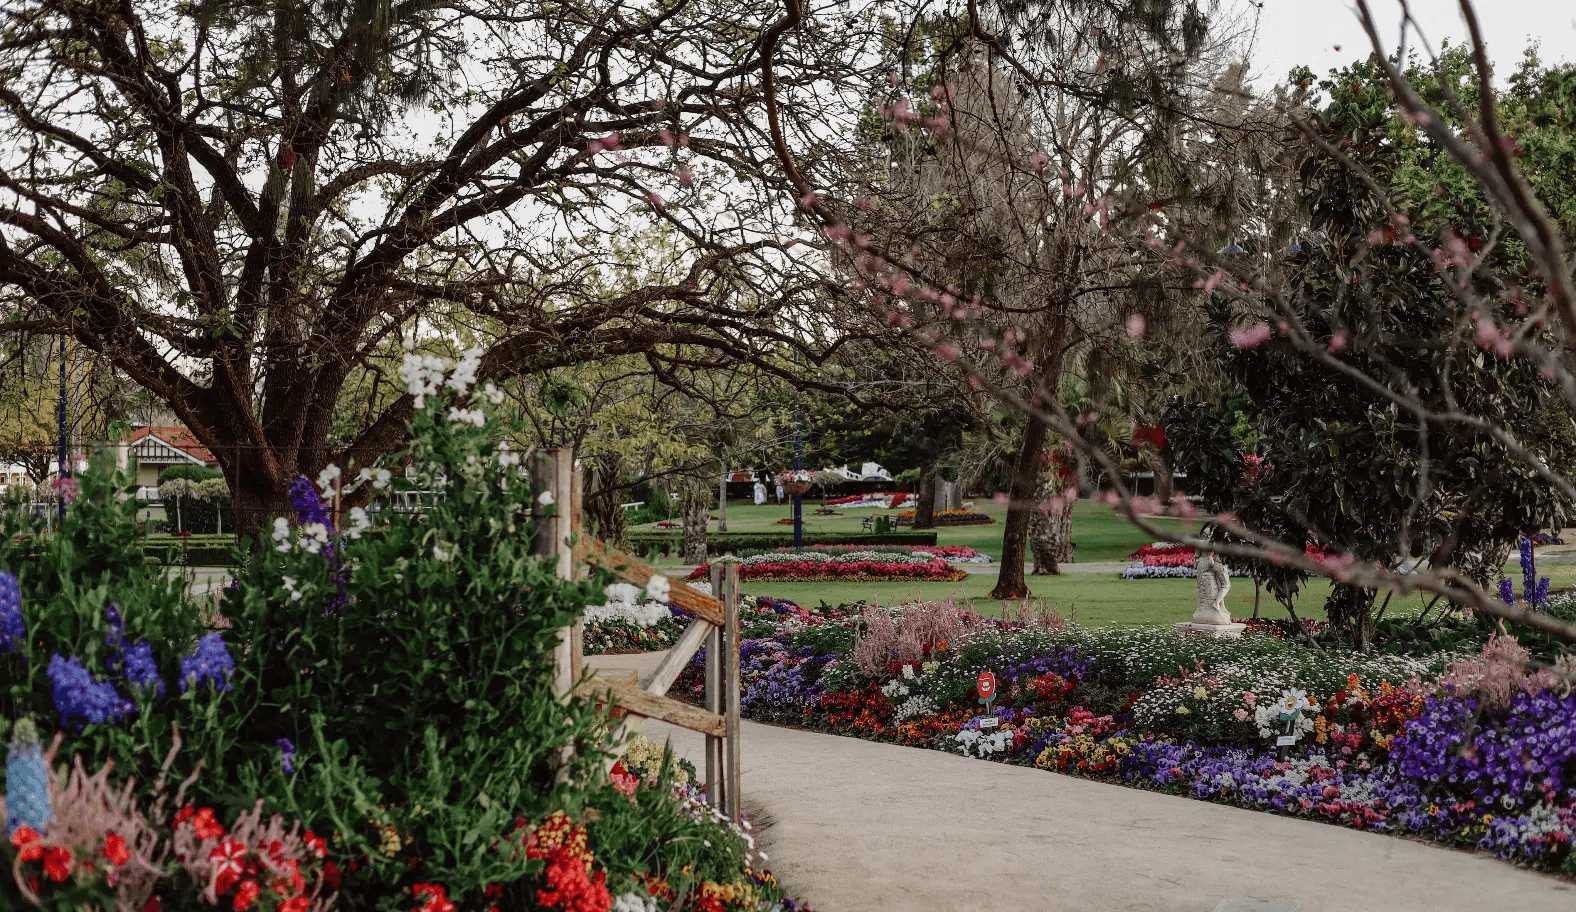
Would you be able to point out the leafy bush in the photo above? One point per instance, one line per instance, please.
(389, 685)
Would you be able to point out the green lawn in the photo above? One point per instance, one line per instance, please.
(1094, 599)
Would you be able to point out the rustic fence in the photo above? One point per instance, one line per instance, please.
(715, 626)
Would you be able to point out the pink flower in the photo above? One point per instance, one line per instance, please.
(1251, 337)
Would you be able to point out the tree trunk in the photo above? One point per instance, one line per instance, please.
(925, 503)
(602, 507)
(1350, 610)
(1023, 480)
(722, 501)
(697, 506)
(1050, 529)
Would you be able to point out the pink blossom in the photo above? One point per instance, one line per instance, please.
(1135, 326)
(1251, 337)
(1337, 341)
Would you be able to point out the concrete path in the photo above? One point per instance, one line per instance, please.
(856, 826)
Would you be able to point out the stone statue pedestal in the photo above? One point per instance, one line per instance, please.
(1230, 631)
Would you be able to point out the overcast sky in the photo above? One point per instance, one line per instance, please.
(1293, 32)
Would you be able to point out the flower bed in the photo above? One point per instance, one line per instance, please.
(1471, 750)
(956, 554)
(809, 566)
(948, 518)
(884, 499)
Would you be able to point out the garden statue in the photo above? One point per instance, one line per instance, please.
(1212, 617)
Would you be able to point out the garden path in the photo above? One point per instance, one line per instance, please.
(855, 826)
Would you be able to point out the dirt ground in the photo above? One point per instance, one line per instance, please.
(856, 826)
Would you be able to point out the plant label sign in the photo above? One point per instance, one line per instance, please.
(986, 687)
(1285, 740)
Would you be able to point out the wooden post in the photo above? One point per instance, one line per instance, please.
(716, 775)
(553, 473)
(730, 687)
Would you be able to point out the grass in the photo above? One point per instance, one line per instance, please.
(1097, 598)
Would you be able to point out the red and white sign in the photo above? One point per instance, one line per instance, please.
(987, 685)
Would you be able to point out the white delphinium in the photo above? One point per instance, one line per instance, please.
(423, 375)
(290, 587)
(314, 536)
(442, 555)
(281, 534)
(464, 376)
(467, 416)
(492, 394)
(545, 498)
(358, 523)
(326, 478)
(507, 455)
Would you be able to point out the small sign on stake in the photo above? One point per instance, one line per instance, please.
(986, 686)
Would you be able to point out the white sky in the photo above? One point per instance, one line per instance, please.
(1293, 32)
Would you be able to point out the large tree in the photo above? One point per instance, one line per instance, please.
(241, 204)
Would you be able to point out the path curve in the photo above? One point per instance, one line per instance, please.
(858, 826)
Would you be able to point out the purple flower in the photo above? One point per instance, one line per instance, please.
(308, 505)
(79, 698)
(209, 663)
(1507, 592)
(287, 752)
(13, 633)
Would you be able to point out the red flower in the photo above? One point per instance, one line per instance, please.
(57, 864)
(316, 844)
(207, 827)
(184, 815)
(228, 860)
(24, 839)
(115, 849)
(332, 876)
(152, 905)
(437, 898)
(245, 896)
(295, 904)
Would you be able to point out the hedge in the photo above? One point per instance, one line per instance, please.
(720, 543)
(190, 550)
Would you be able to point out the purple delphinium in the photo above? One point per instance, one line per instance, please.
(287, 753)
(80, 699)
(1507, 592)
(135, 660)
(209, 663)
(1533, 589)
(13, 633)
(308, 505)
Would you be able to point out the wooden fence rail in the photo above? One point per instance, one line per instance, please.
(715, 626)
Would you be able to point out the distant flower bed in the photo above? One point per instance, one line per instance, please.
(957, 554)
(949, 518)
(873, 566)
(883, 499)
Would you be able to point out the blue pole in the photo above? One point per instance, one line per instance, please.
(61, 416)
(798, 500)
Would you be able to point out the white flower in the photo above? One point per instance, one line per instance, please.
(290, 587)
(359, 522)
(492, 394)
(908, 671)
(423, 375)
(471, 416)
(325, 479)
(545, 498)
(464, 376)
(439, 554)
(314, 536)
(658, 588)
(281, 529)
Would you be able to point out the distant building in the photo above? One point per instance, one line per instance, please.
(155, 449)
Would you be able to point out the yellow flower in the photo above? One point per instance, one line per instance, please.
(1200, 693)
(1183, 711)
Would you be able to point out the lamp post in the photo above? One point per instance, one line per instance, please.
(60, 415)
